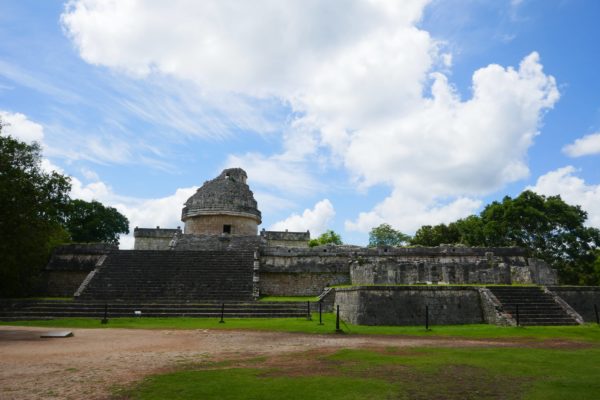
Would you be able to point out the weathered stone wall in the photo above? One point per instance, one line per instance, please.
(153, 239)
(296, 271)
(70, 264)
(285, 239)
(217, 242)
(580, 298)
(298, 284)
(405, 305)
(63, 283)
(301, 272)
(213, 225)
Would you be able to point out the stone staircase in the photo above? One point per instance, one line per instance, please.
(535, 306)
(48, 309)
(172, 277)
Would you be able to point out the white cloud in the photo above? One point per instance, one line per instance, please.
(258, 47)
(275, 172)
(20, 127)
(361, 80)
(316, 220)
(407, 213)
(163, 211)
(587, 145)
(573, 190)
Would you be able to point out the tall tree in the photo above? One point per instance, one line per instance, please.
(328, 237)
(94, 222)
(31, 205)
(550, 228)
(385, 235)
(428, 235)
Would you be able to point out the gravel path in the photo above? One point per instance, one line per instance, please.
(88, 364)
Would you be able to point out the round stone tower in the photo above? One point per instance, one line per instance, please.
(222, 205)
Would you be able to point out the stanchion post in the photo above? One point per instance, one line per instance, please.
(596, 312)
(105, 319)
(320, 313)
(222, 313)
(426, 318)
(308, 316)
(518, 319)
(337, 320)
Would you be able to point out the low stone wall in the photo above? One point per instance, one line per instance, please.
(405, 305)
(580, 298)
(301, 272)
(70, 264)
(63, 283)
(307, 271)
(154, 239)
(298, 284)
(216, 242)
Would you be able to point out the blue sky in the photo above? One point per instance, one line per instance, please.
(345, 114)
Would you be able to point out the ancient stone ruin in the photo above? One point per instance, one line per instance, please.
(220, 257)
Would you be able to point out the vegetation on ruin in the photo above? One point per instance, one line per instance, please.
(548, 227)
(586, 333)
(385, 235)
(329, 237)
(270, 299)
(385, 373)
(36, 214)
(92, 221)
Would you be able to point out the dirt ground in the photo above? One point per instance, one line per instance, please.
(88, 364)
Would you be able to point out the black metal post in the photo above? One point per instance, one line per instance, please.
(337, 320)
(308, 315)
(222, 313)
(105, 319)
(426, 318)
(597, 316)
(321, 313)
(518, 322)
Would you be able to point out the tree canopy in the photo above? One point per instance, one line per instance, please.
(36, 214)
(385, 235)
(329, 237)
(32, 203)
(550, 228)
(94, 222)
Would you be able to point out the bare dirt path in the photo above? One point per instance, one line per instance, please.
(87, 365)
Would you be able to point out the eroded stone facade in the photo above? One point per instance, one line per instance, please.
(222, 205)
(154, 238)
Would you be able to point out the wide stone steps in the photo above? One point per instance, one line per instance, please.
(29, 310)
(534, 305)
(177, 275)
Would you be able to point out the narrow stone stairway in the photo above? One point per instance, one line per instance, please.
(535, 306)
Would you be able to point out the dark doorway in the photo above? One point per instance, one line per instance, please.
(226, 228)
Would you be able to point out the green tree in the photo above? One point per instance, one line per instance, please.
(385, 235)
(550, 228)
(32, 203)
(428, 235)
(329, 237)
(94, 222)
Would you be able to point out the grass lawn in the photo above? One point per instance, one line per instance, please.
(271, 299)
(388, 373)
(587, 332)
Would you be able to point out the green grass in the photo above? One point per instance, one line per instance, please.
(587, 332)
(421, 373)
(433, 285)
(289, 298)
